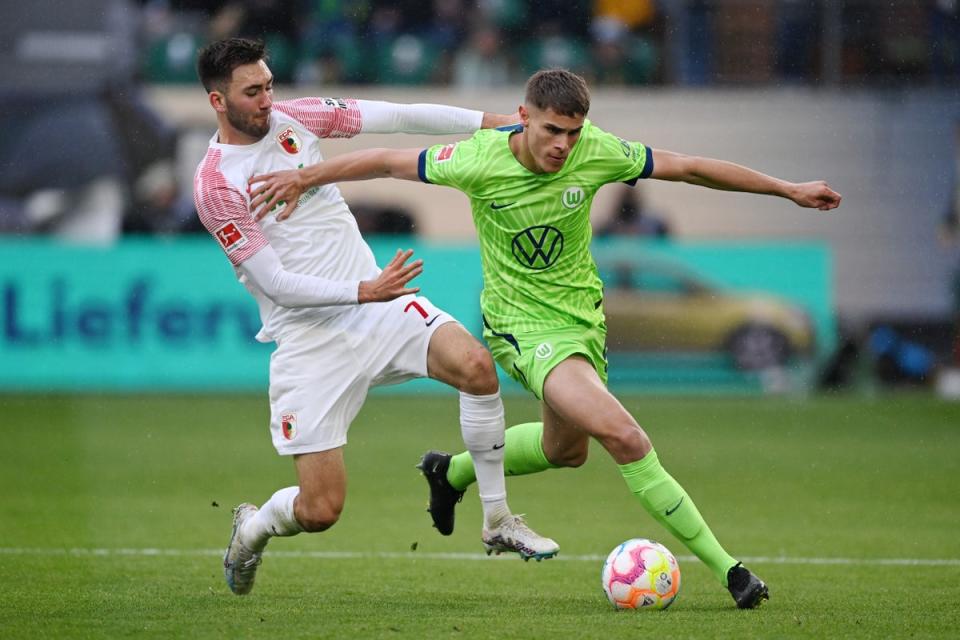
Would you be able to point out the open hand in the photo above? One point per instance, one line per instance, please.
(815, 195)
(392, 281)
(277, 188)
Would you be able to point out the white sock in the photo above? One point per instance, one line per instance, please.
(275, 518)
(482, 426)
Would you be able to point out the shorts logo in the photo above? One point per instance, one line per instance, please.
(544, 350)
(289, 141)
(230, 237)
(572, 197)
(288, 424)
(538, 247)
(423, 312)
(445, 153)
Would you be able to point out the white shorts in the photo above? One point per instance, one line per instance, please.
(319, 378)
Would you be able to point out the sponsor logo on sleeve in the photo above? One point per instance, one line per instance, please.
(445, 153)
(289, 141)
(336, 103)
(230, 237)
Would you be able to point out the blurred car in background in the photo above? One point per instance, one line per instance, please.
(654, 305)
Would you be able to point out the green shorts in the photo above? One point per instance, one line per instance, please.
(529, 357)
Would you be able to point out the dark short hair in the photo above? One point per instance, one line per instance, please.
(217, 60)
(563, 91)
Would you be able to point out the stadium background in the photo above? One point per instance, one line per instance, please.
(860, 93)
(111, 296)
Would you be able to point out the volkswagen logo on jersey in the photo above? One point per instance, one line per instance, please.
(538, 247)
(572, 197)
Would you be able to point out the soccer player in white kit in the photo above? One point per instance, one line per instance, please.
(341, 325)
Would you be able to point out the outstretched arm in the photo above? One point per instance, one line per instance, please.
(345, 118)
(287, 186)
(719, 174)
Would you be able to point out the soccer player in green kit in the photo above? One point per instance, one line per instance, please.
(530, 188)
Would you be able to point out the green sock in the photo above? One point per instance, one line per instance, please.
(522, 454)
(669, 504)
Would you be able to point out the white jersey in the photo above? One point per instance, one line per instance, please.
(322, 239)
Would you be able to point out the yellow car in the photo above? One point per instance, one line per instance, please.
(657, 306)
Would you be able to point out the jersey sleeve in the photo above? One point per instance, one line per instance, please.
(451, 165)
(295, 290)
(623, 161)
(325, 117)
(224, 211)
(437, 119)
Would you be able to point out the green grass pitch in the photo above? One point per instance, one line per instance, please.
(114, 512)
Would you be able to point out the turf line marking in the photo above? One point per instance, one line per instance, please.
(414, 555)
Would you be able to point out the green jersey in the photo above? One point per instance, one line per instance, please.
(534, 228)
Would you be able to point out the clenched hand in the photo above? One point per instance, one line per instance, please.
(815, 195)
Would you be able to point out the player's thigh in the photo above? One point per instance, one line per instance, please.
(575, 394)
(317, 387)
(322, 477)
(457, 358)
(397, 336)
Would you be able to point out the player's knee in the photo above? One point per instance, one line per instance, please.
(318, 515)
(627, 443)
(479, 374)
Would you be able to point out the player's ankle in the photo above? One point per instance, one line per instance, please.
(495, 513)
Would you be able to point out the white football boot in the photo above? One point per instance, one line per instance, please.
(513, 535)
(240, 563)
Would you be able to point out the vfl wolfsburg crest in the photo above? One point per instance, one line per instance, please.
(538, 247)
(572, 198)
(544, 350)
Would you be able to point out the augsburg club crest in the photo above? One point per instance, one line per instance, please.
(288, 425)
(538, 247)
(289, 141)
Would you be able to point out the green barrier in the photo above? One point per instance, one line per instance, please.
(168, 315)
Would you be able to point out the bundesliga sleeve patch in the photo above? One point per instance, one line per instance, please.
(445, 153)
(230, 237)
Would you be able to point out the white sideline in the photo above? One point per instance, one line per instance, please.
(419, 555)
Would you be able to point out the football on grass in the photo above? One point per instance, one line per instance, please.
(641, 574)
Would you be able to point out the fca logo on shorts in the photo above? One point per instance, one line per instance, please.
(538, 247)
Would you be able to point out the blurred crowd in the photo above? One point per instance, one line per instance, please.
(85, 157)
(483, 43)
